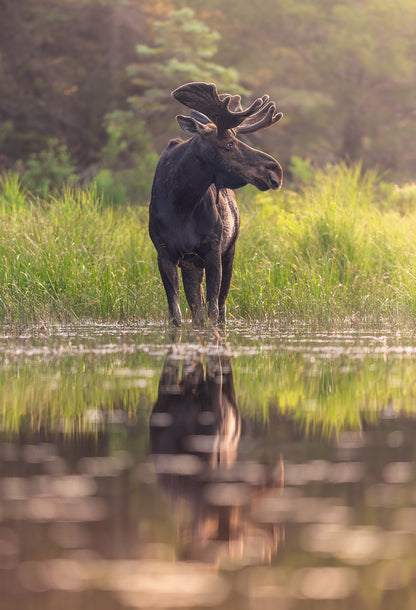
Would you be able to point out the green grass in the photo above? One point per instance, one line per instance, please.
(70, 257)
(342, 249)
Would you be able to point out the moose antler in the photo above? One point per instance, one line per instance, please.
(225, 110)
(264, 117)
(261, 119)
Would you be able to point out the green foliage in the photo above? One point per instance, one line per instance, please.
(400, 198)
(342, 73)
(182, 52)
(69, 257)
(48, 170)
(328, 253)
(128, 160)
(61, 69)
(301, 170)
(13, 195)
(347, 78)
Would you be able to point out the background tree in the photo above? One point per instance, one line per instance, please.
(359, 63)
(344, 74)
(62, 68)
(183, 50)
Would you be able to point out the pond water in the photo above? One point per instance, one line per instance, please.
(269, 468)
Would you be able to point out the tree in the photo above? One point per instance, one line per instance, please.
(182, 50)
(361, 57)
(342, 72)
(96, 75)
(62, 68)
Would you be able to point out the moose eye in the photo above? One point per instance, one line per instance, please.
(230, 144)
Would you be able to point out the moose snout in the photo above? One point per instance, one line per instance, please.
(267, 175)
(274, 181)
(274, 174)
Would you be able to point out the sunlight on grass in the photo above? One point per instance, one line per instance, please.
(342, 249)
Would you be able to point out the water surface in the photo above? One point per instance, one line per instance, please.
(270, 467)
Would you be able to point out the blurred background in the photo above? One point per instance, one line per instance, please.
(85, 85)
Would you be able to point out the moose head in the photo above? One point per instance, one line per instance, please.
(219, 120)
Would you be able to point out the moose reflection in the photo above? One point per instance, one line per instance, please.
(195, 428)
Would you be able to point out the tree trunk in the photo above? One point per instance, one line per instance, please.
(352, 140)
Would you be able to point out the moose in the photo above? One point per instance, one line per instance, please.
(194, 220)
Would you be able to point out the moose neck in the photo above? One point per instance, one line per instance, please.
(193, 175)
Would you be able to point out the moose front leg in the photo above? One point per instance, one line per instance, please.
(213, 273)
(170, 278)
(192, 278)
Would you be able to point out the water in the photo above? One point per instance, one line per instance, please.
(271, 468)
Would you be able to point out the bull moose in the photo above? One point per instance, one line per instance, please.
(193, 216)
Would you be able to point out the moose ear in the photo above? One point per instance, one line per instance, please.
(201, 118)
(194, 127)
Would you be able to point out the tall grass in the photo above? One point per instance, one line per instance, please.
(70, 257)
(342, 248)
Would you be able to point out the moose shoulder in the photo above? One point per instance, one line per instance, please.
(193, 215)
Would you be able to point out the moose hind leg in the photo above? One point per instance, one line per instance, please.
(170, 278)
(227, 272)
(192, 278)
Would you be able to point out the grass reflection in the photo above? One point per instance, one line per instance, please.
(326, 384)
(326, 396)
(80, 392)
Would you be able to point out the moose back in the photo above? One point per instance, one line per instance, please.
(193, 216)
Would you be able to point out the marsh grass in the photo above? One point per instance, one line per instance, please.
(342, 249)
(71, 257)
